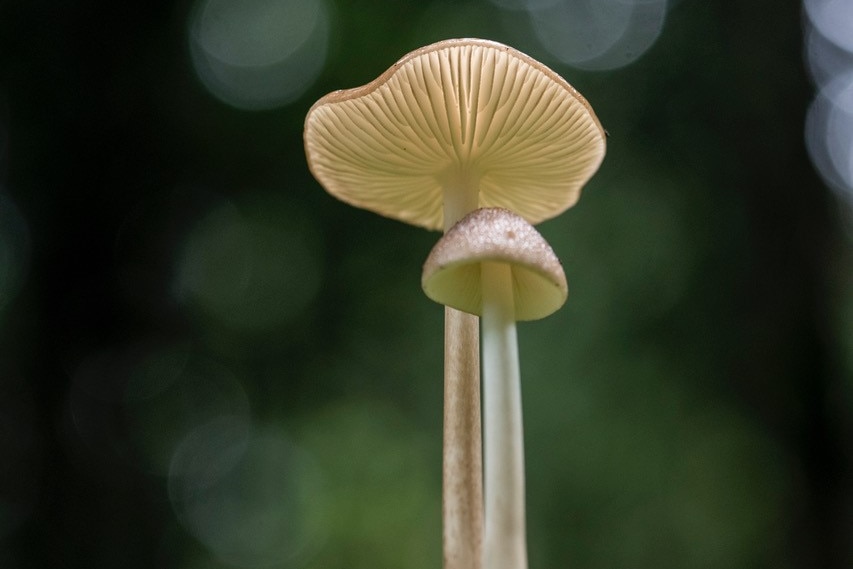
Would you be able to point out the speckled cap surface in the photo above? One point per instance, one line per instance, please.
(451, 273)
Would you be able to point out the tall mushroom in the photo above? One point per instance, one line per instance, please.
(495, 264)
(450, 127)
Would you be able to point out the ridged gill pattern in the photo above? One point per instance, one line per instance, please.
(467, 114)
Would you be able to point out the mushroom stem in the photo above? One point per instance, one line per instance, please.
(462, 475)
(462, 497)
(505, 544)
(460, 199)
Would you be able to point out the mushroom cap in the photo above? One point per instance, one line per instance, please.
(451, 274)
(459, 112)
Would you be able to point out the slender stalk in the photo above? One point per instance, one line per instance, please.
(462, 474)
(505, 544)
(462, 497)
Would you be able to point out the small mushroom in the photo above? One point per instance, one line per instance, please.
(496, 265)
(451, 127)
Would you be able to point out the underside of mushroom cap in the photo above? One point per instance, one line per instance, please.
(451, 273)
(466, 114)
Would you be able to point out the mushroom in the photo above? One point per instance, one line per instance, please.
(496, 265)
(451, 127)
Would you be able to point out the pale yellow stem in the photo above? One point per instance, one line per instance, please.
(505, 544)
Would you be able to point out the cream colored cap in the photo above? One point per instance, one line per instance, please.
(451, 274)
(456, 113)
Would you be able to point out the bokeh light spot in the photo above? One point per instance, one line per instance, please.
(170, 393)
(834, 18)
(825, 60)
(93, 412)
(251, 268)
(258, 54)
(829, 122)
(596, 34)
(829, 134)
(261, 505)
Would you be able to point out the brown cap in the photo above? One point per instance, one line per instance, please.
(451, 274)
(463, 114)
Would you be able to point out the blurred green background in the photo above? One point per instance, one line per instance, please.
(208, 362)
